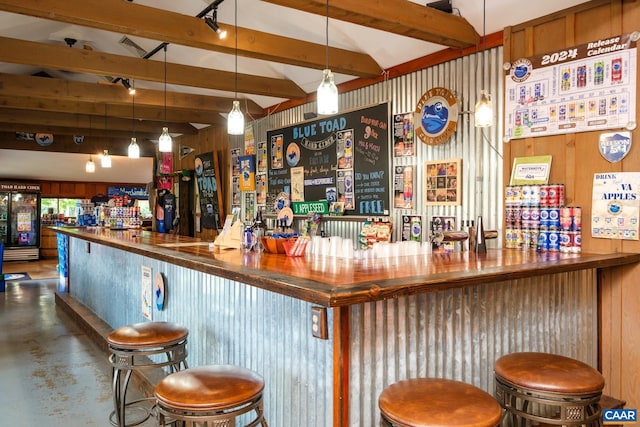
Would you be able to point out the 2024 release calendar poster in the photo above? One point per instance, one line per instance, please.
(583, 88)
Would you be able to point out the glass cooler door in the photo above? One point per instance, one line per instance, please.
(24, 220)
(4, 217)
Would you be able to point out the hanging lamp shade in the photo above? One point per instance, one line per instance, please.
(105, 162)
(327, 94)
(483, 113)
(90, 167)
(484, 110)
(235, 120)
(165, 142)
(134, 149)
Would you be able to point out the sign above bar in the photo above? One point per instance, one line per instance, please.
(587, 87)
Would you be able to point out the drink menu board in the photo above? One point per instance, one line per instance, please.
(342, 158)
(582, 88)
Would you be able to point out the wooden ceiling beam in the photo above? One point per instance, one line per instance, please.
(142, 112)
(401, 17)
(64, 143)
(115, 94)
(99, 63)
(83, 121)
(157, 24)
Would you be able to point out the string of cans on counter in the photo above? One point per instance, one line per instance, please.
(536, 218)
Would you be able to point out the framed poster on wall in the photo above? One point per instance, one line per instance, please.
(443, 182)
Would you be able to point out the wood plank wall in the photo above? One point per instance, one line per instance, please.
(575, 160)
(79, 190)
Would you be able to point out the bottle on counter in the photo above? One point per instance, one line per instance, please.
(472, 236)
(481, 243)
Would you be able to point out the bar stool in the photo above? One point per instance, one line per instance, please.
(130, 348)
(549, 389)
(433, 402)
(216, 394)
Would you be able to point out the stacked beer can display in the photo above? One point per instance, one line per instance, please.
(536, 218)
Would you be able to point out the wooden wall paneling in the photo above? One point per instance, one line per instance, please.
(576, 159)
(610, 292)
(546, 35)
(67, 189)
(630, 339)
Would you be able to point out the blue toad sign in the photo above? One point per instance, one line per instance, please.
(614, 146)
(436, 116)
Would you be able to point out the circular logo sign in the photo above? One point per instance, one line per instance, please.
(436, 116)
(521, 70)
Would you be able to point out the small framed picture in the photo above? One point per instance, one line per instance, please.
(443, 179)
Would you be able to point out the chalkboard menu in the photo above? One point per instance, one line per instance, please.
(342, 158)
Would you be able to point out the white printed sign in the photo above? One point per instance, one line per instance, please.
(584, 88)
(616, 205)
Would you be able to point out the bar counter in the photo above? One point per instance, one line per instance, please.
(439, 315)
(334, 282)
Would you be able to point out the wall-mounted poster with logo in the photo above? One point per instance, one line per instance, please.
(247, 173)
(206, 166)
(443, 182)
(403, 187)
(262, 157)
(616, 205)
(436, 116)
(403, 135)
(587, 87)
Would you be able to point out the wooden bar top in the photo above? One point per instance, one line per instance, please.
(333, 282)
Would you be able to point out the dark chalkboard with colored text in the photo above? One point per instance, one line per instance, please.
(343, 159)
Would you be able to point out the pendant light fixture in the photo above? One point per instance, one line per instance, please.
(165, 143)
(484, 107)
(327, 97)
(134, 148)
(235, 119)
(105, 162)
(90, 167)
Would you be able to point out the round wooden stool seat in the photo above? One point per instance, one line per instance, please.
(432, 402)
(147, 334)
(131, 347)
(565, 391)
(217, 393)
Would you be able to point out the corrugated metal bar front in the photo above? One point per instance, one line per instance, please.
(480, 149)
(459, 333)
(229, 323)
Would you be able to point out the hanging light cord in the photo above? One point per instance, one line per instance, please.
(484, 34)
(326, 33)
(236, 31)
(165, 84)
(133, 114)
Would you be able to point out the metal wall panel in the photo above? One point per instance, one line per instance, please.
(479, 149)
(229, 323)
(455, 333)
(459, 333)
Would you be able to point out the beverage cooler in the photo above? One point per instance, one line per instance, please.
(20, 221)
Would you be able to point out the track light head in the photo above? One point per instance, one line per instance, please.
(212, 22)
(127, 85)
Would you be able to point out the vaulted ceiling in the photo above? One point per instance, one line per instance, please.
(63, 63)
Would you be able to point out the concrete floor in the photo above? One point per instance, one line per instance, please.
(51, 373)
